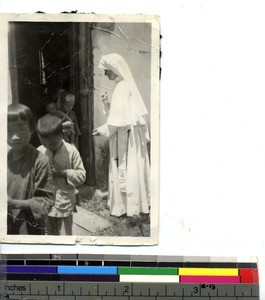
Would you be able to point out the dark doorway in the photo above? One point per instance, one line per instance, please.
(46, 56)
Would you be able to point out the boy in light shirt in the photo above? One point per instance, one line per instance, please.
(68, 173)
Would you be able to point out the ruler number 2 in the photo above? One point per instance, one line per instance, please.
(126, 289)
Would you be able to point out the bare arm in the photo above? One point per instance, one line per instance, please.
(18, 204)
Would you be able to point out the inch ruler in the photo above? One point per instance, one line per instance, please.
(123, 277)
(45, 290)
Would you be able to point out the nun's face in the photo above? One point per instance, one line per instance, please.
(111, 75)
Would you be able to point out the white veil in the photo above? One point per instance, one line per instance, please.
(135, 108)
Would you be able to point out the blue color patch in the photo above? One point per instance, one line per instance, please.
(87, 270)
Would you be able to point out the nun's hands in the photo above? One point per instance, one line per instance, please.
(95, 132)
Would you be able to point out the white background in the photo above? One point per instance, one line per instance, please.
(212, 125)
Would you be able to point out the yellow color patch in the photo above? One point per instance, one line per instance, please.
(208, 272)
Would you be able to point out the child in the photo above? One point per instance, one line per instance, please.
(57, 97)
(67, 105)
(68, 172)
(51, 108)
(67, 123)
(29, 176)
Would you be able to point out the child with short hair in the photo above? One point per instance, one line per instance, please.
(67, 105)
(67, 123)
(29, 176)
(68, 173)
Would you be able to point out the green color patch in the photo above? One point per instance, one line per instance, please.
(147, 271)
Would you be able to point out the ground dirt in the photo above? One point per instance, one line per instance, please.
(95, 201)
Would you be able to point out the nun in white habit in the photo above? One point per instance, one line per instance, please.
(127, 131)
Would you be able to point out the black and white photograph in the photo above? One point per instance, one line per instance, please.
(80, 104)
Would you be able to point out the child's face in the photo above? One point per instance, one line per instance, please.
(68, 104)
(52, 142)
(58, 93)
(51, 108)
(18, 134)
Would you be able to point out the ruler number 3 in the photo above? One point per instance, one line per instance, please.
(195, 290)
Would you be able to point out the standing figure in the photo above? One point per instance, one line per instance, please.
(127, 131)
(67, 105)
(68, 173)
(57, 97)
(29, 176)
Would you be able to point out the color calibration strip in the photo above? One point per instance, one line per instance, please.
(112, 269)
(121, 277)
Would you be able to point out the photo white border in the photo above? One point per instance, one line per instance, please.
(155, 117)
